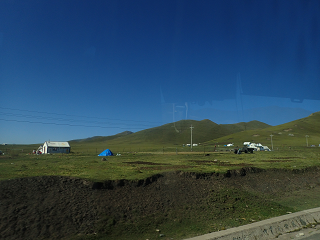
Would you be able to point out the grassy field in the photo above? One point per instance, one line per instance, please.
(141, 155)
(139, 165)
(187, 221)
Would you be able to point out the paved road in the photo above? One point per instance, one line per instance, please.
(281, 228)
(315, 236)
(303, 234)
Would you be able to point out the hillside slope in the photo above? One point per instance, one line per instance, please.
(179, 133)
(289, 134)
(101, 138)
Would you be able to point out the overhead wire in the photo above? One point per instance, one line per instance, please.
(72, 122)
(81, 116)
(64, 119)
(117, 123)
(62, 124)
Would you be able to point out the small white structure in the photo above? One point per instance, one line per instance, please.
(265, 148)
(256, 146)
(193, 144)
(230, 145)
(56, 147)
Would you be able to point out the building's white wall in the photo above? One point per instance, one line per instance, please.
(52, 149)
(58, 150)
(45, 147)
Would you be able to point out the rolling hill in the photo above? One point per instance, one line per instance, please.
(176, 133)
(101, 138)
(289, 134)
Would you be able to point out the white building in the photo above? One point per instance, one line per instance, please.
(56, 147)
(256, 146)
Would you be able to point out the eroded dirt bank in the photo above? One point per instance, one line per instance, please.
(59, 207)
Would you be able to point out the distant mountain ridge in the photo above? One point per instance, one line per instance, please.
(178, 133)
(262, 114)
(102, 138)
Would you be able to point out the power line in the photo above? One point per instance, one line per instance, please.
(84, 125)
(79, 116)
(60, 121)
(63, 124)
(64, 119)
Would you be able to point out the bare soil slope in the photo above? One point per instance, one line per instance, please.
(60, 207)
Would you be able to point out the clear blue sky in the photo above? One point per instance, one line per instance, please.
(76, 69)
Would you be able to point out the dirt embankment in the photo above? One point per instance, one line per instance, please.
(58, 207)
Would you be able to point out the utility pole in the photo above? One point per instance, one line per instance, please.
(307, 139)
(271, 142)
(191, 136)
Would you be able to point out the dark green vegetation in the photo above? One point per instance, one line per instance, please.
(205, 190)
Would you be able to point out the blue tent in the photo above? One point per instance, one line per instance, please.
(106, 152)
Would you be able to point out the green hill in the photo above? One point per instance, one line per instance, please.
(284, 135)
(242, 126)
(292, 134)
(101, 138)
(177, 133)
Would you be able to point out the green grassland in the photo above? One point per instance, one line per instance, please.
(225, 208)
(157, 150)
(134, 166)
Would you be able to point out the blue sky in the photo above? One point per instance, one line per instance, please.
(76, 69)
